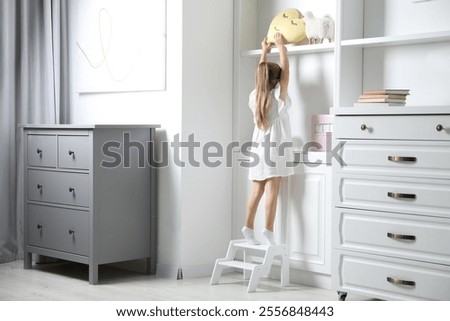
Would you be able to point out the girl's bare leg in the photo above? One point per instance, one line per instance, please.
(272, 189)
(252, 205)
(253, 202)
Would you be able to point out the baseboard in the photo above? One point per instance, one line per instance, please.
(313, 279)
(170, 271)
(139, 266)
(166, 271)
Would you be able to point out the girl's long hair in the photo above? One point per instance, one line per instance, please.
(267, 76)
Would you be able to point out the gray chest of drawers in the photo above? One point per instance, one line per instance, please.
(391, 216)
(90, 194)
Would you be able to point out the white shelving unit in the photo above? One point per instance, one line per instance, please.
(391, 44)
(378, 44)
(397, 44)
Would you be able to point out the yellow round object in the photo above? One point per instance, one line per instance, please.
(290, 24)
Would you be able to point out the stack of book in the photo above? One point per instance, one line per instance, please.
(383, 97)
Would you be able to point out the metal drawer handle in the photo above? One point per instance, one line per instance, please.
(39, 151)
(439, 127)
(71, 153)
(71, 189)
(399, 159)
(39, 226)
(71, 232)
(401, 195)
(39, 186)
(400, 281)
(401, 237)
(364, 127)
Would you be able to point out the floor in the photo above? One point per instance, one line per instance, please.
(68, 282)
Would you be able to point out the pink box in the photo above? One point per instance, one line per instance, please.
(321, 131)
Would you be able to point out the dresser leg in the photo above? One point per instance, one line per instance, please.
(93, 274)
(27, 261)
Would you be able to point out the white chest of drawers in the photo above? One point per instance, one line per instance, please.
(90, 194)
(391, 206)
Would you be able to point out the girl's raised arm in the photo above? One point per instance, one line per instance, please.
(265, 50)
(284, 64)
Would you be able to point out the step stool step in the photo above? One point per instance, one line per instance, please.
(239, 265)
(278, 249)
(245, 245)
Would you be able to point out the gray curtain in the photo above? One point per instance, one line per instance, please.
(34, 88)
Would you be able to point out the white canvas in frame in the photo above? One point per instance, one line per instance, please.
(120, 45)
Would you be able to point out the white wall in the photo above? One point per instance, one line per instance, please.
(193, 203)
(207, 111)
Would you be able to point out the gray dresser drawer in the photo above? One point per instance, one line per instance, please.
(58, 229)
(404, 127)
(415, 237)
(74, 152)
(41, 150)
(58, 187)
(392, 278)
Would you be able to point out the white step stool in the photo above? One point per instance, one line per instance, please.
(268, 252)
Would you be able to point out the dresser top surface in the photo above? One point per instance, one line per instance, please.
(392, 110)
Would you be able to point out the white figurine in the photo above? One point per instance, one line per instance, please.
(318, 29)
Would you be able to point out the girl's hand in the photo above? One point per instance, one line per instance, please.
(265, 46)
(279, 39)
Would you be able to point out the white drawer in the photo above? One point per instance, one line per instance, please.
(405, 158)
(404, 236)
(74, 152)
(58, 187)
(401, 127)
(393, 194)
(41, 150)
(391, 278)
(58, 229)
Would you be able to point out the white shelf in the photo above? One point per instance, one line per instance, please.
(393, 110)
(292, 50)
(412, 39)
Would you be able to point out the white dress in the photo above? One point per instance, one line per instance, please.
(271, 152)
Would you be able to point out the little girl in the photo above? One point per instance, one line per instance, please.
(271, 140)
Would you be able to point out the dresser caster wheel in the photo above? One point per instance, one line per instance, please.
(341, 295)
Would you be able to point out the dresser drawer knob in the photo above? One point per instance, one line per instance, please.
(71, 153)
(71, 189)
(39, 226)
(364, 127)
(39, 151)
(71, 232)
(400, 281)
(402, 159)
(39, 187)
(401, 237)
(439, 127)
(401, 195)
